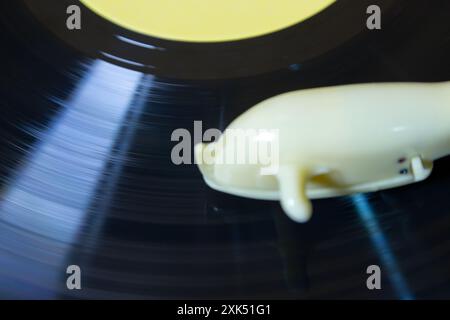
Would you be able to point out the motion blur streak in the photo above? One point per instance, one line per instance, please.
(382, 247)
(47, 203)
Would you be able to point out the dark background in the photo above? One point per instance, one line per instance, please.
(104, 195)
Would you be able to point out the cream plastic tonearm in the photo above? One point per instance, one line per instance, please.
(329, 142)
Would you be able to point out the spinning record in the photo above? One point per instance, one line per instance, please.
(86, 135)
(224, 53)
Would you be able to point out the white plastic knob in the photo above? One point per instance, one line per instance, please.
(333, 141)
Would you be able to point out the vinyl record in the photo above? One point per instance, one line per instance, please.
(87, 179)
(340, 24)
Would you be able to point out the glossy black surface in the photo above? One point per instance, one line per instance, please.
(329, 31)
(86, 178)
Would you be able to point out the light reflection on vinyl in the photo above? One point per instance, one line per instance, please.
(86, 178)
(53, 190)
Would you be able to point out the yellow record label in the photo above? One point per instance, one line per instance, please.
(206, 20)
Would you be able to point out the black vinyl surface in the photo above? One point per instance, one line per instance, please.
(86, 176)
